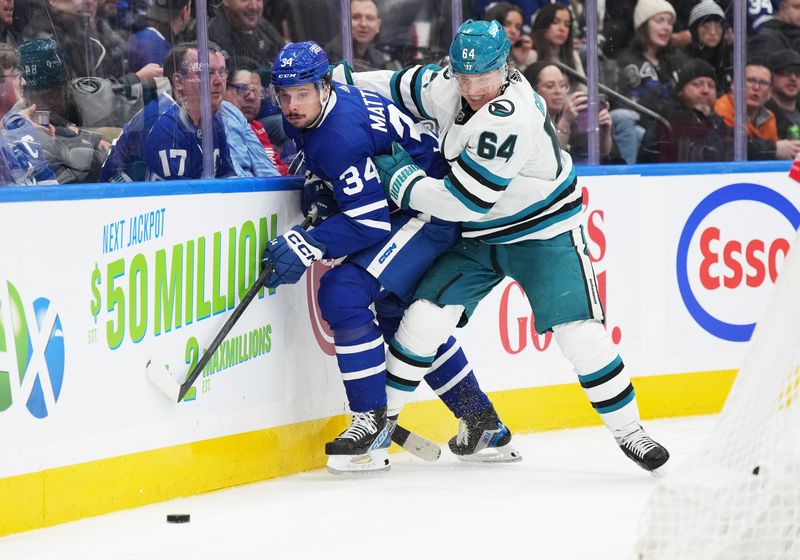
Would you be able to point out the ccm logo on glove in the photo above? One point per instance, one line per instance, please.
(308, 254)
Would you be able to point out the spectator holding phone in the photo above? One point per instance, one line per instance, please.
(568, 111)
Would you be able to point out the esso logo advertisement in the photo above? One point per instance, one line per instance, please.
(322, 332)
(730, 253)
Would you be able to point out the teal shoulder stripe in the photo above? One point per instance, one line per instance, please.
(478, 168)
(418, 89)
(538, 227)
(448, 184)
(529, 211)
(600, 373)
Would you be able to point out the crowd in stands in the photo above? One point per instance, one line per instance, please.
(87, 84)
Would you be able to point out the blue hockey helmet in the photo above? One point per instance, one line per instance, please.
(479, 47)
(298, 64)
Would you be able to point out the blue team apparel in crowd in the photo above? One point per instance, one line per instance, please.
(22, 158)
(161, 142)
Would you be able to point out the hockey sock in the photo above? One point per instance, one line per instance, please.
(453, 381)
(425, 327)
(345, 294)
(362, 361)
(600, 370)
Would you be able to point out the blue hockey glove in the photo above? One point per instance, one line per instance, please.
(319, 193)
(289, 255)
(398, 174)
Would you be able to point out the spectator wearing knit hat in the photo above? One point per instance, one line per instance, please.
(785, 66)
(647, 71)
(696, 133)
(782, 32)
(707, 24)
(74, 154)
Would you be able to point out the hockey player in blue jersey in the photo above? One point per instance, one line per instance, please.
(340, 129)
(515, 193)
(162, 141)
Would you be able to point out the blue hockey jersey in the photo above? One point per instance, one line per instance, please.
(355, 125)
(161, 142)
(22, 158)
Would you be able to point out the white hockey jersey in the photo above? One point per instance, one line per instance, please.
(509, 181)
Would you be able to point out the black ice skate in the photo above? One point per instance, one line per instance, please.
(641, 448)
(364, 446)
(483, 438)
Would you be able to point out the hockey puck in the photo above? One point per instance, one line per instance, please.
(178, 518)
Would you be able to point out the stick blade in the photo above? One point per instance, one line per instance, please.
(418, 446)
(160, 377)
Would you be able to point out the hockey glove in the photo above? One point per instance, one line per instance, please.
(398, 174)
(318, 193)
(289, 255)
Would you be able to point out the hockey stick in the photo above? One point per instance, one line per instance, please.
(418, 446)
(161, 378)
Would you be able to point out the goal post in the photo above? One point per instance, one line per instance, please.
(739, 496)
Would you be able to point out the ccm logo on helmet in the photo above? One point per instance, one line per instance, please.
(719, 252)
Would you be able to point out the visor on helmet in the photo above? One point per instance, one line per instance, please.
(479, 84)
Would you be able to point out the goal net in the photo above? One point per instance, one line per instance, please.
(739, 497)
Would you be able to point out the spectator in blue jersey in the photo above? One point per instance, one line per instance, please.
(165, 19)
(162, 141)
(341, 128)
(22, 159)
(781, 32)
(758, 13)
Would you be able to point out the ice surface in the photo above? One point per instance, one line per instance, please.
(574, 496)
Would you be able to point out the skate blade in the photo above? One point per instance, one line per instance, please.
(504, 454)
(662, 471)
(374, 462)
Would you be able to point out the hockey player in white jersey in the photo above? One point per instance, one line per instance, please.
(515, 192)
